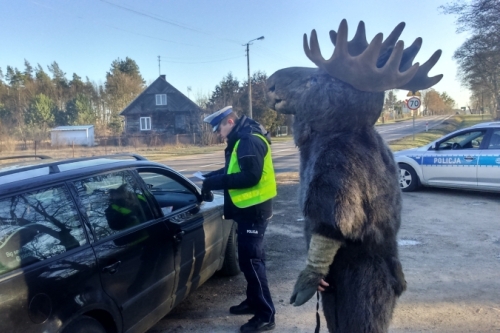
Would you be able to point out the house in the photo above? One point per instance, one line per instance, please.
(161, 109)
(72, 135)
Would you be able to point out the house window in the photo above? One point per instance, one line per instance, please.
(161, 99)
(145, 123)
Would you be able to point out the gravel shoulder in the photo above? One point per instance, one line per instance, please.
(449, 247)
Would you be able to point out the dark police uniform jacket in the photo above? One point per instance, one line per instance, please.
(251, 152)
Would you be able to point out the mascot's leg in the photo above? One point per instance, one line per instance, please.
(329, 309)
(361, 297)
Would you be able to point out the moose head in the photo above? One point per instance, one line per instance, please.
(347, 90)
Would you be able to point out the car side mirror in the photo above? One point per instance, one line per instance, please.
(207, 196)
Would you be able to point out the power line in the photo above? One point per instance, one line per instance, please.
(202, 62)
(120, 29)
(205, 56)
(182, 26)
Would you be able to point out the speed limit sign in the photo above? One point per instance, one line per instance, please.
(413, 103)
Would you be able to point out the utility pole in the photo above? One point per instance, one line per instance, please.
(249, 80)
(249, 84)
(159, 69)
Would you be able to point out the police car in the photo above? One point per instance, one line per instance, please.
(104, 244)
(465, 159)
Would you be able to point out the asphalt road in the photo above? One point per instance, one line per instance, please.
(449, 245)
(285, 154)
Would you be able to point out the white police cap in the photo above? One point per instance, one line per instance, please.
(215, 118)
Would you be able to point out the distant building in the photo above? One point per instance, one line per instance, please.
(68, 135)
(161, 109)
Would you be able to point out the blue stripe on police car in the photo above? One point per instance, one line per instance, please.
(449, 160)
(489, 160)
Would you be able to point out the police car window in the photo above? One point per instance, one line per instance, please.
(38, 225)
(170, 194)
(494, 140)
(467, 140)
(113, 202)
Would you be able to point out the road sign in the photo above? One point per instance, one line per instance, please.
(413, 103)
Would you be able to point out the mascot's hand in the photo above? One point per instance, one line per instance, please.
(306, 286)
(320, 256)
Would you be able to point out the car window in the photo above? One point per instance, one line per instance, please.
(467, 140)
(113, 202)
(495, 140)
(170, 193)
(38, 225)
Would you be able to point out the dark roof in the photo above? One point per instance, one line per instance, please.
(146, 101)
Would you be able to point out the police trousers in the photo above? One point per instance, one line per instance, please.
(252, 264)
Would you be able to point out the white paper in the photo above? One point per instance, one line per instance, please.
(198, 175)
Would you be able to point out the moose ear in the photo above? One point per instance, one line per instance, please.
(374, 67)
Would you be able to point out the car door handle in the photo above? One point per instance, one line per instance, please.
(111, 269)
(178, 236)
(469, 158)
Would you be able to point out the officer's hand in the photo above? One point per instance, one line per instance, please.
(306, 286)
(210, 183)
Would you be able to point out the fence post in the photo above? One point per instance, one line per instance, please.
(177, 139)
(73, 147)
(35, 147)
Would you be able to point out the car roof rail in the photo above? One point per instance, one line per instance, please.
(54, 165)
(42, 157)
(487, 124)
(136, 156)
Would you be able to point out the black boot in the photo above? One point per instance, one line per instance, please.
(257, 325)
(241, 309)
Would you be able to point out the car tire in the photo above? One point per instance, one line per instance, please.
(408, 179)
(231, 266)
(84, 324)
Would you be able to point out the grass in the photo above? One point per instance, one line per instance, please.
(151, 153)
(452, 124)
(172, 151)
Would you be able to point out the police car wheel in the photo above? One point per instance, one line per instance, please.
(408, 179)
(231, 266)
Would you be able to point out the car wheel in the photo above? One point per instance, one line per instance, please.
(408, 179)
(231, 266)
(84, 324)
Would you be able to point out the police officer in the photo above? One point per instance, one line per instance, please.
(249, 185)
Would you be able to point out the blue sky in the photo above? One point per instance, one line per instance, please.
(200, 42)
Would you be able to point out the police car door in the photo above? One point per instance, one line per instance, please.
(453, 161)
(488, 173)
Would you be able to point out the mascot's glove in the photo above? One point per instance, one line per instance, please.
(322, 250)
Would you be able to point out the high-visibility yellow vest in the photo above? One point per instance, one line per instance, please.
(121, 210)
(263, 191)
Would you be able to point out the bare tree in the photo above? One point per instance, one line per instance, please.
(479, 57)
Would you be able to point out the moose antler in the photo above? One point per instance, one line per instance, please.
(420, 81)
(376, 66)
(358, 44)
